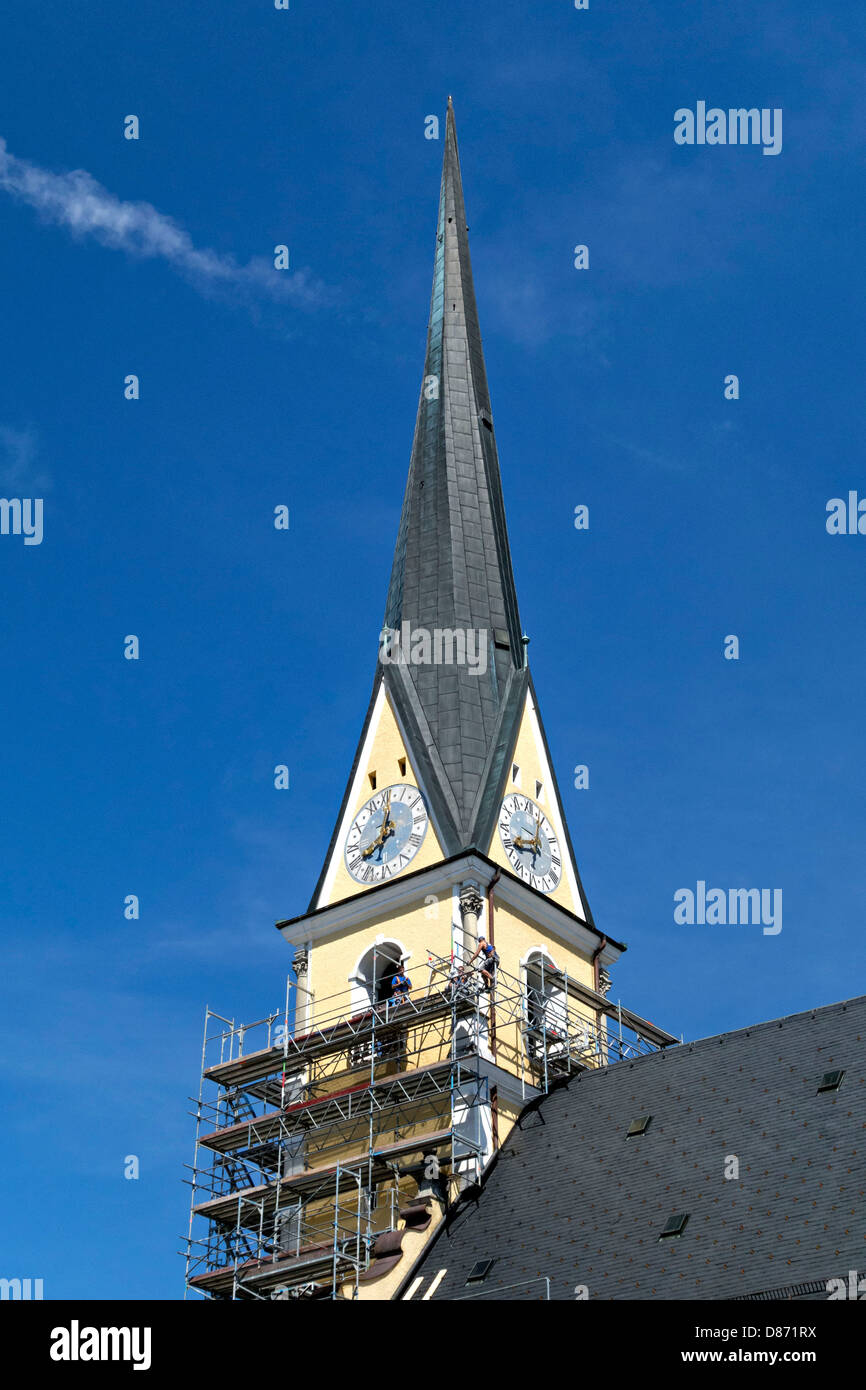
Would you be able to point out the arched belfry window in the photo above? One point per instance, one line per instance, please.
(546, 1008)
(371, 979)
(539, 973)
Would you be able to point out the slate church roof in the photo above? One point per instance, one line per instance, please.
(572, 1198)
(452, 564)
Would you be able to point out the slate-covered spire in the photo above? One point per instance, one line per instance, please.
(452, 566)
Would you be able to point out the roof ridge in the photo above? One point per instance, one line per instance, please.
(676, 1049)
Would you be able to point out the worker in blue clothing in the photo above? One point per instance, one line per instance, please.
(400, 987)
(489, 961)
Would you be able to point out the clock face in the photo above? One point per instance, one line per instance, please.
(530, 843)
(386, 834)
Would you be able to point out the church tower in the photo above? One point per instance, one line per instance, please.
(333, 1149)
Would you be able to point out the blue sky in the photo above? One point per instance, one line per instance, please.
(707, 516)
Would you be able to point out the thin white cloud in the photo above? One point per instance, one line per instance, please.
(76, 200)
(643, 455)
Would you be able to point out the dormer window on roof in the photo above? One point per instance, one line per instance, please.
(638, 1126)
(831, 1081)
(674, 1226)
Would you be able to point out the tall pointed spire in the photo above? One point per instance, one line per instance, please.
(452, 565)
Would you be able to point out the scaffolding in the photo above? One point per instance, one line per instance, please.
(304, 1145)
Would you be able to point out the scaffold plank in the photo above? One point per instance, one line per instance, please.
(335, 1036)
(268, 1125)
(321, 1180)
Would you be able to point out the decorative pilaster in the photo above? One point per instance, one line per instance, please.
(304, 1007)
(471, 905)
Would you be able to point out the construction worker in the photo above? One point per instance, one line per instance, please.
(489, 961)
(457, 974)
(400, 987)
